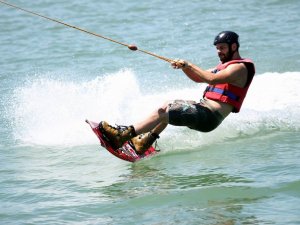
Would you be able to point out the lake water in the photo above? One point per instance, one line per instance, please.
(52, 169)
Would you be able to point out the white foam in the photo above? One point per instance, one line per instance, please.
(48, 111)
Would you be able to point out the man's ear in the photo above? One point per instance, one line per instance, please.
(234, 47)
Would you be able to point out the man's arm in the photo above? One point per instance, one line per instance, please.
(235, 74)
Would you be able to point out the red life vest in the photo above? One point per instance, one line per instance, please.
(229, 93)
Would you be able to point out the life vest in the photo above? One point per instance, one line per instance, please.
(229, 93)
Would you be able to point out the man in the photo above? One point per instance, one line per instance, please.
(227, 87)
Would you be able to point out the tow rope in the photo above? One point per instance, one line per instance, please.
(131, 47)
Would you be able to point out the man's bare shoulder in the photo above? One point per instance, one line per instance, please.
(238, 72)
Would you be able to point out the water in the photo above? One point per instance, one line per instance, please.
(53, 78)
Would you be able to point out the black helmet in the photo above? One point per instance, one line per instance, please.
(228, 37)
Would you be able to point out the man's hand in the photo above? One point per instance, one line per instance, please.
(179, 64)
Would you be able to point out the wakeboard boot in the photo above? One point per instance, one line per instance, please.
(117, 136)
(143, 141)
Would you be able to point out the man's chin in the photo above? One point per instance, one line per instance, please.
(224, 60)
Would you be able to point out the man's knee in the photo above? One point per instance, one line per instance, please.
(163, 112)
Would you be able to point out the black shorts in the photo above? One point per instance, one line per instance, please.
(193, 115)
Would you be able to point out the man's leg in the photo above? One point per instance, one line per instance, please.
(156, 122)
(149, 129)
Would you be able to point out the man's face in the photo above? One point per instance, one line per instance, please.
(224, 52)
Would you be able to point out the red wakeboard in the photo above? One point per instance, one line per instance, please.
(126, 152)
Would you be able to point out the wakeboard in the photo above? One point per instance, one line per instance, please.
(126, 152)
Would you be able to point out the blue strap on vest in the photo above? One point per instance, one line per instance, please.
(222, 92)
